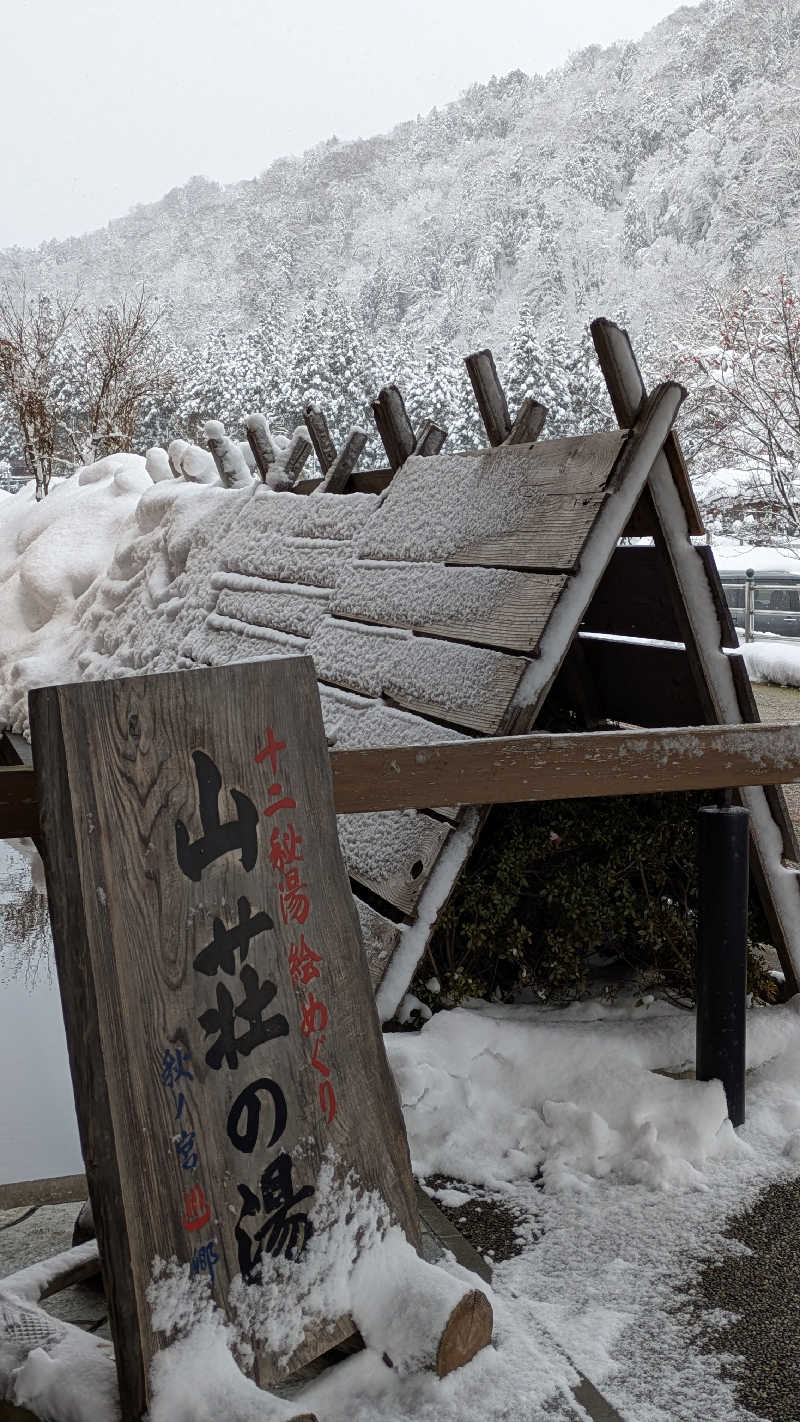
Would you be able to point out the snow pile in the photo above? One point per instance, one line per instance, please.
(775, 661)
(51, 555)
(495, 1095)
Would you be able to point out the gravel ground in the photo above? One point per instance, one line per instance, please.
(758, 1285)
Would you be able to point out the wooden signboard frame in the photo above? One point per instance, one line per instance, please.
(221, 1026)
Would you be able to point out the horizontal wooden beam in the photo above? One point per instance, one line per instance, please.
(508, 769)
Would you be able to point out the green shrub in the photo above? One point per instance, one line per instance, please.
(552, 884)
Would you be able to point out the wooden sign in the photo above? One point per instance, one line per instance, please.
(221, 1025)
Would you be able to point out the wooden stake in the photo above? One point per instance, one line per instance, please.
(529, 422)
(490, 395)
(320, 437)
(430, 438)
(261, 445)
(345, 462)
(299, 450)
(394, 426)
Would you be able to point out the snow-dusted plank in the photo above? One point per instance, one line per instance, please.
(299, 561)
(344, 463)
(353, 722)
(392, 853)
(492, 606)
(381, 937)
(532, 503)
(284, 608)
(469, 686)
(53, 1275)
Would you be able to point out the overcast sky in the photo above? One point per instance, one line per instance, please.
(107, 103)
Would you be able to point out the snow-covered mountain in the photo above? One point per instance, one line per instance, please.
(620, 182)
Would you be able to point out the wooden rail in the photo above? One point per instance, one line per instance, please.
(510, 769)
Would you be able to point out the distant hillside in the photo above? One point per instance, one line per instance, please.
(619, 182)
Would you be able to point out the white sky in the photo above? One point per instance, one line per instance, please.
(107, 103)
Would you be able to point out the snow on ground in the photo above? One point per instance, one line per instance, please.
(775, 661)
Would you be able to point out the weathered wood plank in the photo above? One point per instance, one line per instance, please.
(320, 436)
(527, 506)
(493, 607)
(747, 701)
(643, 685)
(19, 810)
(489, 395)
(141, 773)
(633, 598)
(628, 394)
(507, 769)
(14, 750)
(362, 481)
(299, 451)
(465, 685)
(261, 444)
(344, 463)
(392, 854)
(394, 426)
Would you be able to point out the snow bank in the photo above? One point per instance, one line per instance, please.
(51, 557)
(776, 661)
(496, 1095)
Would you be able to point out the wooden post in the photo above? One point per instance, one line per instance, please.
(430, 438)
(260, 441)
(320, 436)
(529, 422)
(490, 395)
(722, 951)
(299, 450)
(394, 426)
(345, 462)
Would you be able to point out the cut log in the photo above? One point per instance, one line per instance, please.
(419, 1317)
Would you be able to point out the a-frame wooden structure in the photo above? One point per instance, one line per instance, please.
(450, 596)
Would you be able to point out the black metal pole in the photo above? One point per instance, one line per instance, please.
(722, 950)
